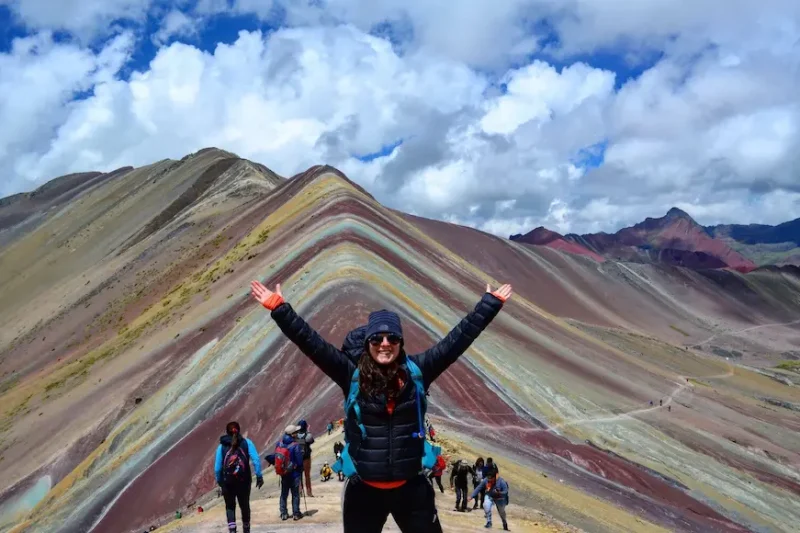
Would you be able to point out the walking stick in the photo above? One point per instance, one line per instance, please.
(303, 492)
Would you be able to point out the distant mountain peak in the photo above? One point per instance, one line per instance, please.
(541, 235)
(678, 213)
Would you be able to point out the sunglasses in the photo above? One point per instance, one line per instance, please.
(376, 340)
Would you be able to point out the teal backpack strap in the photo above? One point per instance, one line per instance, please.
(352, 403)
(345, 463)
(422, 405)
(431, 452)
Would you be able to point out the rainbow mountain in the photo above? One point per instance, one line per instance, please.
(130, 339)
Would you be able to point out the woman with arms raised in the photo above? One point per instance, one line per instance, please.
(383, 420)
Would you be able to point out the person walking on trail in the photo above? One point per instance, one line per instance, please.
(461, 474)
(477, 477)
(305, 439)
(490, 468)
(233, 474)
(384, 392)
(431, 431)
(289, 466)
(497, 496)
(330, 427)
(437, 471)
(338, 447)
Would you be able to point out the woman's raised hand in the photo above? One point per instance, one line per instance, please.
(266, 297)
(503, 293)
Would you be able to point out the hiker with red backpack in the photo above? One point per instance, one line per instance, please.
(385, 391)
(233, 473)
(288, 459)
(437, 471)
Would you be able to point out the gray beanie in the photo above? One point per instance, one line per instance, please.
(383, 321)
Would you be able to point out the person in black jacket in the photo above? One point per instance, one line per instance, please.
(305, 439)
(460, 475)
(387, 456)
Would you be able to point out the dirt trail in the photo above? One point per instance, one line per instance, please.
(325, 513)
(745, 330)
(584, 421)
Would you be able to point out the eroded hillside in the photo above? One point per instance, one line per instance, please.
(131, 339)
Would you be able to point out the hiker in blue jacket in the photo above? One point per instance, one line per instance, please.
(384, 389)
(290, 473)
(496, 494)
(233, 474)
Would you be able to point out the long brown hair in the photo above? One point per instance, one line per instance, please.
(374, 379)
(233, 429)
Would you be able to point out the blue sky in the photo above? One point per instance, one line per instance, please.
(587, 115)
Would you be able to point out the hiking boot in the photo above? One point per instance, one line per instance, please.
(284, 516)
(488, 525)
(505, 527)
(298, 517)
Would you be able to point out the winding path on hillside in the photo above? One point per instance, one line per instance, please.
(582, 421)
(745, 330)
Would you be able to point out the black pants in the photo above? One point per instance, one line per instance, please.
(462, 493)
(240, 492)
(412, 506)
(438, 480)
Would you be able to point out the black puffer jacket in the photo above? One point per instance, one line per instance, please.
(389, 453)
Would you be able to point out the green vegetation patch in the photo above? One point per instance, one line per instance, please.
(793, 366)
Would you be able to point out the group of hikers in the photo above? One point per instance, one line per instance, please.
(386, 453)
(291, 459)
(661, 404)
(485, 479)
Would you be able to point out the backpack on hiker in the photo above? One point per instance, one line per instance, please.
(236, 465)
(431, 453)
(283, 459)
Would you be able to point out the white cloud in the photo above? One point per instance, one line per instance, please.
(84, 18)
(38, 79)
(538, 92)
(712, 127)
(176, 24)
(272, 100)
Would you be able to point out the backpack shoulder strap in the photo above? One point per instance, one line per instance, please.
(351, 402)
(419, 382)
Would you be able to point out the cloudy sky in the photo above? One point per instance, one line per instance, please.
(580, 115)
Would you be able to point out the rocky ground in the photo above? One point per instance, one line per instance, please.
(322, 513)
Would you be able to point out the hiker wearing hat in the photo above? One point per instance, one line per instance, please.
(289, 466)
(459, 476)
(305, 439)
(233, 474)
(384, 388)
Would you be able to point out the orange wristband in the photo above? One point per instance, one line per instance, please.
(273, 301)
(498, 296)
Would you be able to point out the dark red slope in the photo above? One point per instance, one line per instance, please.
(542, 236)
(674, 238)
